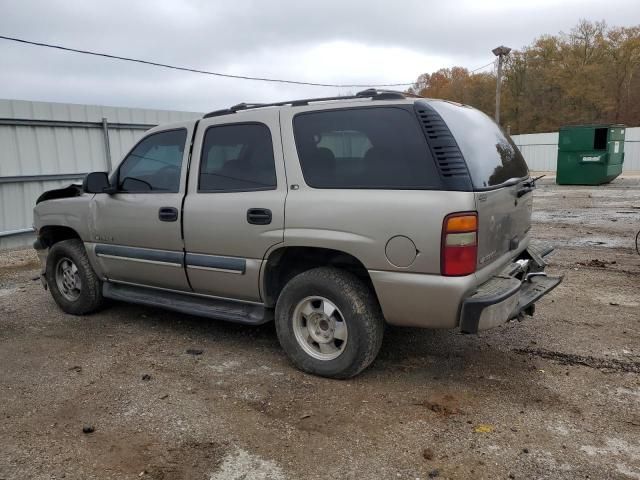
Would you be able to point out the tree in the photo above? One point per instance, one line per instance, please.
(590, 75)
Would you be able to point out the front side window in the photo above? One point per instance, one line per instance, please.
(154, 165)
(237, 157)
(379, 147)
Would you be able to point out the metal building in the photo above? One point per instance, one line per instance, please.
(46, 145)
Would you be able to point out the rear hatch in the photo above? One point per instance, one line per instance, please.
(500, 178)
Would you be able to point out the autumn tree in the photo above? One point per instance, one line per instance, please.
(589, 75)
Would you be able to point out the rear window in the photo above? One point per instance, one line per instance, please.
(377, 147)
(491, 156)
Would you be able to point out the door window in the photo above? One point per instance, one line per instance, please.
(237, 158)
(154, 165)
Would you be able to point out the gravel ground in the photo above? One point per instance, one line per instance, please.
(556, 396)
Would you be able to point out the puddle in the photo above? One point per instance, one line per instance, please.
(561, 429)
(588, 216)
(225, 366)
(596, 241)
(6, 292)
(628, 471)
(618, 300)
(628, 392)
(242, 465)
(613, 446)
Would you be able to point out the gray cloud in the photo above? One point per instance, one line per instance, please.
(334, 41)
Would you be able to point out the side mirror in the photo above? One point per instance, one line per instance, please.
(96, 182)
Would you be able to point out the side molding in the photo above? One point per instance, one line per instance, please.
(215, 263)
(135, 254)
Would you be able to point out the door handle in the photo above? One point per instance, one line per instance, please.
(259, 216)
(168, 214)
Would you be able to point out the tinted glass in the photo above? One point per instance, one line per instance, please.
(237, 158)
(380, 147)
(491, 156)
(154, 164)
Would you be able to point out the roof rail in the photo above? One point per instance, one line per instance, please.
(369, 93)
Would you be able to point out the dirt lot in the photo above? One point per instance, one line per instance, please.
(557, 396)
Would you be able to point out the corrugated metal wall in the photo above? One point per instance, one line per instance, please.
(632, 150)
(540, 150)
(37, 150)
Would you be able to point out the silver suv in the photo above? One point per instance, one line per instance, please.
(331, 216)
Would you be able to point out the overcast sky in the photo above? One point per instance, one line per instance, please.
(329, 41)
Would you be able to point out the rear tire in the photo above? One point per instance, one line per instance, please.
(329, 323)
(74, 285)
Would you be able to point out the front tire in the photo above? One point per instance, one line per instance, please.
(329, 323)
(74, 285)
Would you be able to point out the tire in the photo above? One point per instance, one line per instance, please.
(357, 318)
(74, 285)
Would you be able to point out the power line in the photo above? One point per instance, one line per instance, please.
(484, 66)
(205, 72)
(195, 70)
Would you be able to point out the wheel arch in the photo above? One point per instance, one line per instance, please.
(285, 262)
(52, 234)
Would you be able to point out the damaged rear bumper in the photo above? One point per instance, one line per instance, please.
(510, 294)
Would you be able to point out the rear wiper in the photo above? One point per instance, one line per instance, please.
(532, 181)
(535, 179)
(528, 186)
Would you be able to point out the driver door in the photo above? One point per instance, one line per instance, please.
(137, 229)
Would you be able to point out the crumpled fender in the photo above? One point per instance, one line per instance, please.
(73, 190)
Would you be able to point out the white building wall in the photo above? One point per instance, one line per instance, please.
(632, 150)
(47, 150)
(540, 150)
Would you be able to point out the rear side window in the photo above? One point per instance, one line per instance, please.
(491, 156)
(237, 158)
(154, 165)
(377, 147)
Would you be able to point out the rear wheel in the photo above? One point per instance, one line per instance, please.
(329, 323)
(74, 285)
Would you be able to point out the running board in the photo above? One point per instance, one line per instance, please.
(237, 312)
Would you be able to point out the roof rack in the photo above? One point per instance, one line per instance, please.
(369, 93)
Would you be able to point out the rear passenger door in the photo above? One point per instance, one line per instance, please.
(234, 211)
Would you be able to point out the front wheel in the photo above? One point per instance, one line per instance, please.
(74, 285)
(329, 323)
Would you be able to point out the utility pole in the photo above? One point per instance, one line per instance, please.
(499, 52)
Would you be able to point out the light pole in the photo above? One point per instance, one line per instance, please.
(499, 52)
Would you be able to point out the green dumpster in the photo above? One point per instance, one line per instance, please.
(589, 154)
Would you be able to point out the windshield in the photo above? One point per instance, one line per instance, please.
(491, 156)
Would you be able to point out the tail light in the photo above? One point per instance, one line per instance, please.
(459, 244)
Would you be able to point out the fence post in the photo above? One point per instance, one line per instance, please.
(107, 146)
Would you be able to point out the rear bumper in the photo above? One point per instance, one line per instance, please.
(435, 301)
(508, 295)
